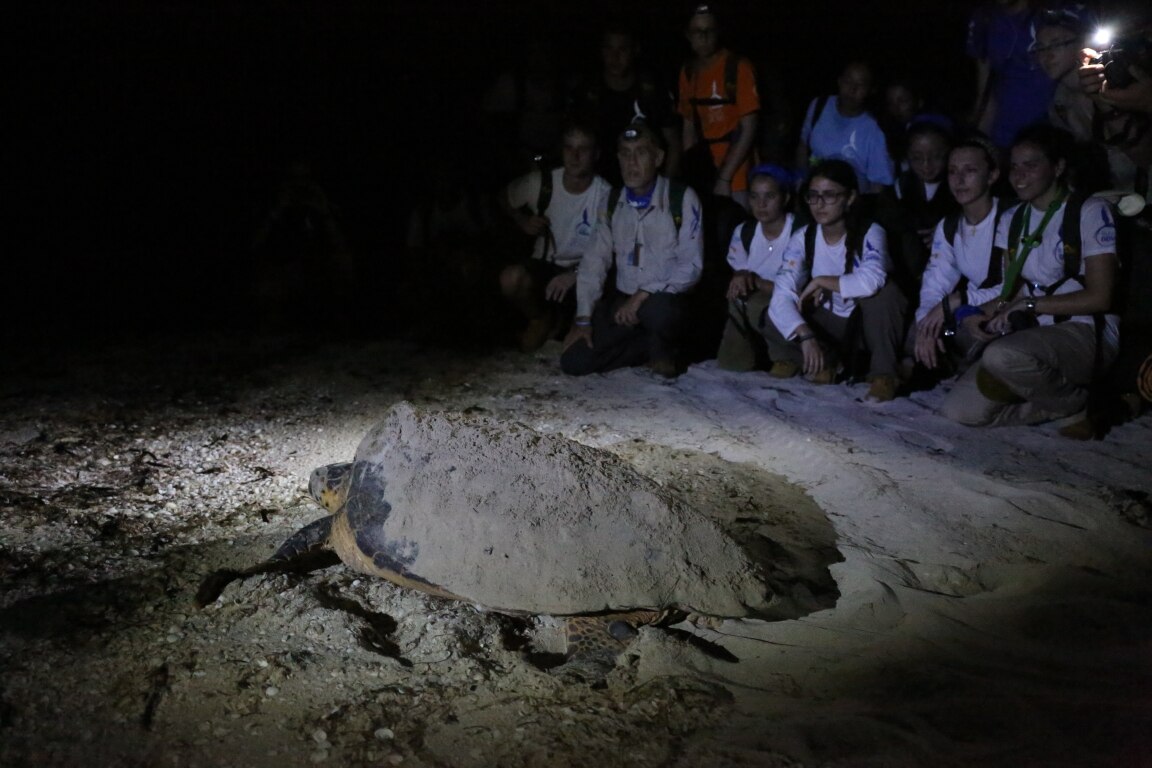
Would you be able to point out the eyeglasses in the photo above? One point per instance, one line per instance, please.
(812, 197)
(1053, 46)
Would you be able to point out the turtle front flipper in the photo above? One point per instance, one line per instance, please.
(329, 485)
(304, 551)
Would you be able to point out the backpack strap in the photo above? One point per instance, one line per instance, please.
(676, 190)
(996, 257)
(810, 246)
(817, 112)
(613, 200)
(747, 232)
(544, 198)
(951, 227)
(1070, 235)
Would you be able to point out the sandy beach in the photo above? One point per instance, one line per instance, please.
(988, 591)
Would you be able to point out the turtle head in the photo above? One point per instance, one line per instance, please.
(329, 485)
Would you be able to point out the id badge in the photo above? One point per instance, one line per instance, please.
(633, 259)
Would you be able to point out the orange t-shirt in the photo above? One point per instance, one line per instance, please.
(717, 120)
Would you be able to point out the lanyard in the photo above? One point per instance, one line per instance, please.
(1027, 243)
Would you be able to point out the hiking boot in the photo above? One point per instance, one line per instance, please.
(882, 390)
(783, 369)
(1079, 426)
(825, 376)
(539, 330)
(665, 367)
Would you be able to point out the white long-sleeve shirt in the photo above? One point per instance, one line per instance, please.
(969, 255)
(869, 273)
(764, 255)
(651, 253)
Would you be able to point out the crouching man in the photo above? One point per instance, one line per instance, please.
(651, 234)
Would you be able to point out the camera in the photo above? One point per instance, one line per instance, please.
(1022, 320)
(1122, 54)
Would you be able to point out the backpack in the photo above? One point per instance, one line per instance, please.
(731, 67)
(1069, 234)
(544, 197)
(543, 200)
(810, 247)
(995, 257)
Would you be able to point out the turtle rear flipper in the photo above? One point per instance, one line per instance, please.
(304, 551)
(593, 643)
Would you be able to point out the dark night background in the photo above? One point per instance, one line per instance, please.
(148, 136)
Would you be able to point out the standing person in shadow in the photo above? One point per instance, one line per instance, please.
(720, 108)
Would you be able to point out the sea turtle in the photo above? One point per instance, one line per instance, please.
(496, 514)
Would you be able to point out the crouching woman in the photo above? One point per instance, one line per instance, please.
(1049, 333)
(833, 292)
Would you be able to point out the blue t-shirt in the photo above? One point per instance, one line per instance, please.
(857, 140)
(1020, 87)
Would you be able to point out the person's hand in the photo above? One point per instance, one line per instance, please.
(926, 236)
(1136, 97)
(628, 313)
(722, 188)
(928, 341)
(559, 286)
(532, 225)
(1091, 72)
(999, 324)
(813, 357)
(816, 291)
(578, 333)
(976, 327)
(742, 284)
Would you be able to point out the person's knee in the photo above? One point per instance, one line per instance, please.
(578, 360)
(1004, 359)
(965, 408)
(515, 280)
(662, 314)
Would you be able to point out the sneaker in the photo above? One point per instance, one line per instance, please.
(783, 369)
(1079, 426)
(539, 330)
(664, 367)
(882, 390)
(825, 376)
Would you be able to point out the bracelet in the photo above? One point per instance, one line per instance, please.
(582, 322)
(804, 338)
(964, 311)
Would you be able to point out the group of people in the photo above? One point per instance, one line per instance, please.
(904, 253)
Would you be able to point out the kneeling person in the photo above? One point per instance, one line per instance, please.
(559, 208)
(651, 234)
